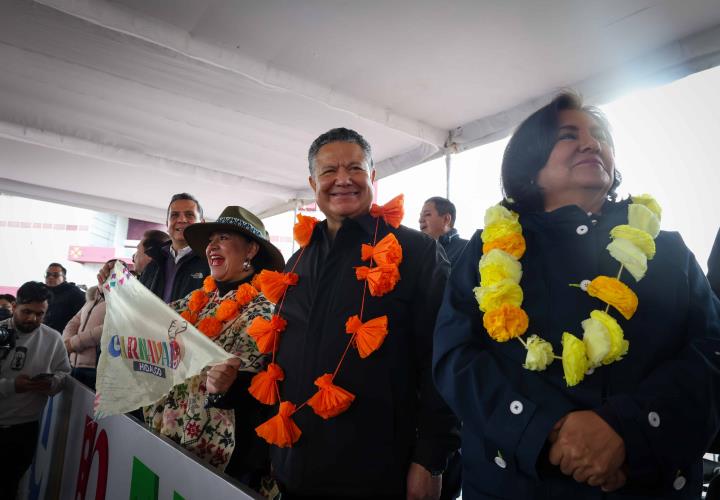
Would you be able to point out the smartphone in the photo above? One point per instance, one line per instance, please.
(41, 376)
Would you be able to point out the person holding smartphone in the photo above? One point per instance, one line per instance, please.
(33, 366)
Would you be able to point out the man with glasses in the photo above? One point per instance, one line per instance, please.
(66, 300)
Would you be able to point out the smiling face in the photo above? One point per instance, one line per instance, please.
(581, 166)
(181, 214)
(227, 253)
(342, 182)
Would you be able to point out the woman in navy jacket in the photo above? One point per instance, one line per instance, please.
(636, 427)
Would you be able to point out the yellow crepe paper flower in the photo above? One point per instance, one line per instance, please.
(614, 292)
(514, 244)
(642, 218)
(497, 213)
(618, 345)
(498, 265)
(650, 202)
(574, 360)
(506, 322)
(500, 229)
(640, 239)
(492, 297)
(630, 256)
(539, 354)
(597, 341)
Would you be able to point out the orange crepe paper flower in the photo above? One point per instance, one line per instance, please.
(303, 229)
(369, 335)
(273, 284)
(245, 294)
(263, 386)
(387, 251)
(226, 310)
(210, 326)
(506, 322)
(209, 284)
(254, 282)
(514, 244)
(265, 332)
(391, 212)
(189, 316)
(380, 279)
(616, 293)
(330, 400)
(280, 430)
(197, 301)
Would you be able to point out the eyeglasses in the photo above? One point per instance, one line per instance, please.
(53, 275)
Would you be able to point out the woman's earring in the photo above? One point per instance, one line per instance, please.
(246, 265)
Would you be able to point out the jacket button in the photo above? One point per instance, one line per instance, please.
(584, 284)
(516, 407)
(501, 463)
(582, 229)
(679, 483)
(654, 419)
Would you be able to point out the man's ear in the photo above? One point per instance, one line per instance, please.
(447, 220)
(372, 174)
(311, 181)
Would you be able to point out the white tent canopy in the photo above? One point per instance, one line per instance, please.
(116, 105)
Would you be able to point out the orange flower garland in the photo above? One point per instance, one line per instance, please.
(330, 400)
(228, 309)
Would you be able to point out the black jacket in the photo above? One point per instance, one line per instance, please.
(661, 398)
(713, 274)
(190, 273)
(453, 245)
(67, 299)
(397, 416)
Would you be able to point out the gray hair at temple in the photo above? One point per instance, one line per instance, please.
(338, 135)
(443, 206)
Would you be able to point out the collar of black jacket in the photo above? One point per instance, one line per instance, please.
(365, 222)
(446, 238)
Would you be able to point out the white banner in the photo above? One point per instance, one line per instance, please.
(147, 348)
(115, 459)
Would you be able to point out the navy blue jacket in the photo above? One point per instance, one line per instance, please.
(662, 397)
(453, 245)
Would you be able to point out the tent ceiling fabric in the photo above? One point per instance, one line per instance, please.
(115, 105)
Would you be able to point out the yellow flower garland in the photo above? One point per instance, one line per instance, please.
(500, 296)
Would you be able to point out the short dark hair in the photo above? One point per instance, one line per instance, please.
(55, 264)
(8, 297)
(530, 147)
(184, 196)
(33, 291)
(443, 206)
(338, 135)
(153, 238)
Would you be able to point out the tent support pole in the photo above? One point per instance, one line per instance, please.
(448, 168)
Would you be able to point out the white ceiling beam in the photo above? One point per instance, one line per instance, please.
(122, 156)
(124, 21)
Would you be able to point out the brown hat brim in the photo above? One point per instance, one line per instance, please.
(198, 236)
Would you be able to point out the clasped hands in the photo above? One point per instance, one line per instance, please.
(585, 447)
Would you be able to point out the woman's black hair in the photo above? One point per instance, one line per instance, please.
(530, 147)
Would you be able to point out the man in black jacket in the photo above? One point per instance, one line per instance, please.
(67, 299)
(437, 220)
(175, 270)
(395, 438)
